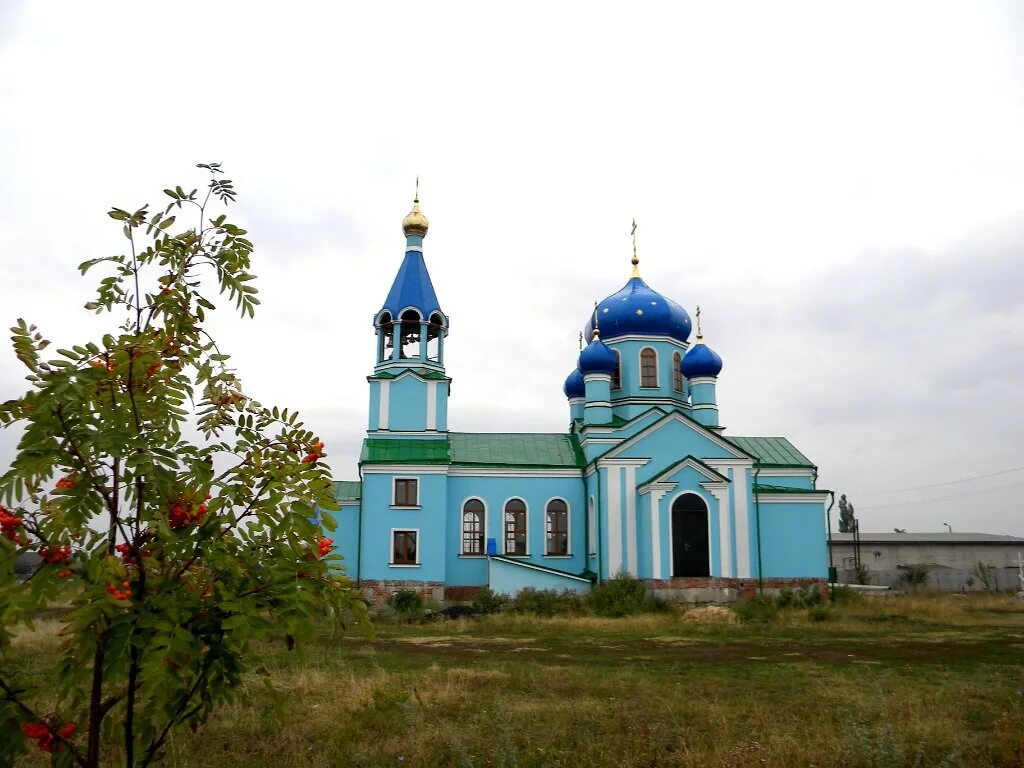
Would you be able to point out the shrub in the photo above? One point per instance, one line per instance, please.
(621, 596)
(760, 609)
(848, 596)
(487, 601)
(817, 613)
(915, 575)
(545, 602)
(407, 602)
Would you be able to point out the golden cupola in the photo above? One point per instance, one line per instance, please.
(415, 223)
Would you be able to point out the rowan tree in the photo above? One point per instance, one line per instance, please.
(172, 512)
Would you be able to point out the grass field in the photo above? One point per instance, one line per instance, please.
(905, 681)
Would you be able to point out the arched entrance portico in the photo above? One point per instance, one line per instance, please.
(691, 555)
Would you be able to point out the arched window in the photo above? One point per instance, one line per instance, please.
(434, 329)
(473, 527)
(617, 373)
(648, 367)
(557, 528)
(385, 336)
(677, 372)
(409, 334)
(515, 527)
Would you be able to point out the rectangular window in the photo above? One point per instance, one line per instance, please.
(406, 492)
(403, 548)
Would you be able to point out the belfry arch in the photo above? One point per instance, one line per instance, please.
(691, 551)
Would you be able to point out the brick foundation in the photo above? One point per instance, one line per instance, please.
(379, 592)
(684, 589)
(458, 594)
(713, 589)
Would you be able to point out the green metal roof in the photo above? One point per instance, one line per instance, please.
(763, 488)
(347, 490)
(516, 449)
(402, 451)
(771, 451)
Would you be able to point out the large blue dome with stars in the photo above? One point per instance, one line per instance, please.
(639, 309)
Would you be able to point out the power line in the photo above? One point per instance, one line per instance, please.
(981, 492)
(948, 482)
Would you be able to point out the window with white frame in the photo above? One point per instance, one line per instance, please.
(473, 527)
(617, 373)
(677, 372)
(407, 492)
(556, 518)
(648, 367)
(404, 548)
(515, 527)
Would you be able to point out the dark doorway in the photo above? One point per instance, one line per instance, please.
(690, 537)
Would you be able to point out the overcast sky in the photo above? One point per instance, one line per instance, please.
(840, 187)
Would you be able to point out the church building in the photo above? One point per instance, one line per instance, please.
(645, 481)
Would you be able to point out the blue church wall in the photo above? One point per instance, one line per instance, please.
(346, 537)
(509, 578)
(407, 404)
(381, 518)
(793, 539)
(373, 421)
(442, 405)
(494, 492)
(804, 481)
(675, 440)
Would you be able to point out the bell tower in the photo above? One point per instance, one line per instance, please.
(408, 387)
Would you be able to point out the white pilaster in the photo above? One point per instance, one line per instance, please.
(656, 496)
(632, 565)
(614, 520)
(739, 491)
(431, 405)
(382, 416)
(721, 495)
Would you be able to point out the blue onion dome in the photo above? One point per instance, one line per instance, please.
(638, 308)
(701, 360)
(574, 385)
(597, 358)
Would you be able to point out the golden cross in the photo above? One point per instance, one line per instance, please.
(699, 334)
(581, 341)
(595, 320)
(417, 198)
(633, 233)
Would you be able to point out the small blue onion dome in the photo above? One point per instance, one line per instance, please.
(701, 360)
(574, 385)
(639, 309)
(597, 358)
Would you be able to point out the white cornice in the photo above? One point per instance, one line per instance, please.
(405, 469)
(511, 472)
(648, 340)
(662, 487)
(778, 472)
(767, 497)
